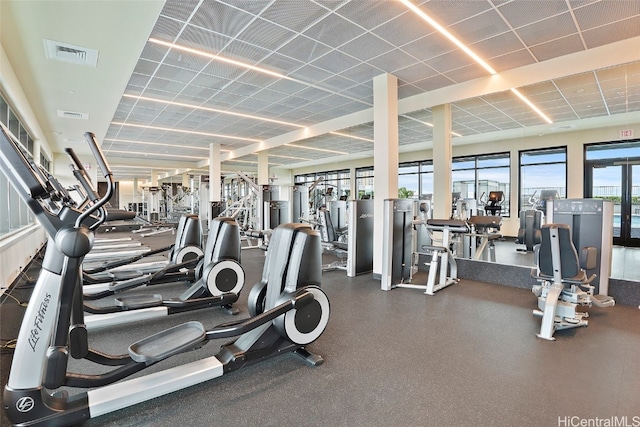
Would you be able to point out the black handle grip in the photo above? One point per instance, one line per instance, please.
(97, 153)
(81, 175)
(74, 158)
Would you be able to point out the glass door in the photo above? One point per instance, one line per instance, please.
(618, 181)
(634, 202)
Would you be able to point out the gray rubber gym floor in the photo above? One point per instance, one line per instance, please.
(467, 356)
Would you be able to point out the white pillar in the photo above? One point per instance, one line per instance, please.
(263, 168)
(136, 190)
(575, 171)
(385, 156)
(215, 172)
(442, 154)
(154, 178)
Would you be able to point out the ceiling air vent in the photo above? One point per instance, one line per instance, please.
(563, 127)
(70, 53)
(72, 115)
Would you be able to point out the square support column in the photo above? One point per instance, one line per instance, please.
(385, 156)
(215, 171)
(575, 171)
(263, 168)
(442, 159)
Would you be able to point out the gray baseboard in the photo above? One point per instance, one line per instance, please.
(623, 291)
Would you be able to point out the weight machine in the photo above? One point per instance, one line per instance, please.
(299, 203)
(532, 219)
(353, 243)
(591, 223)
(565, 284)
(479, 243)
(401, 257)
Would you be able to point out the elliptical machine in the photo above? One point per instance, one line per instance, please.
(215, 277)
(529, 233)
(220, 278)
(187, 247)
(532, 220)
(294, 311)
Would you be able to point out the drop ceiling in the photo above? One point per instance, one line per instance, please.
(317, 109)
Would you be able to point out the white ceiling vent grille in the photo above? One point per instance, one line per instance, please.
(563, 127)
(73, 115)
(70, 53)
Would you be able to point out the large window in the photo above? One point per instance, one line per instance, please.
(415, 180)
(330, 185)
(14, 213)
(364, 183)
(475, 177)
(426, 179)
(540, 170)
(409, 180)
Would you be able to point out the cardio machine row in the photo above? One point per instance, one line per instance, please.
(288, 311)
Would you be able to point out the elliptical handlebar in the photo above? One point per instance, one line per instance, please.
(81, 175)
(98, 154)
(102, 162)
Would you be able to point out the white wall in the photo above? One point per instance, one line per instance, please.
(17, 249)
(126, 194)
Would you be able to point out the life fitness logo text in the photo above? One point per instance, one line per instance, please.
(34, 335)
(25, 404)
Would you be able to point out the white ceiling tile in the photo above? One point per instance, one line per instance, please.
(334, 31)
(297, 16)
(266, 34)
(597, 14)
(333, 50)
(552, 28)
(366, 47)
(613, 32)
(521, 13)
(221, 18)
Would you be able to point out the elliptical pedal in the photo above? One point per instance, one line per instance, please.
(168, 342)
(132, 302)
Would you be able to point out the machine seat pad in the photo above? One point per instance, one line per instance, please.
(340, 245)
(603, 301)
(486, 221)
(433, 248)
(447, 222)
(168, 342)
(579, 279)
(342, 230)
(254, 233)
(454, 225)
